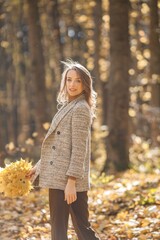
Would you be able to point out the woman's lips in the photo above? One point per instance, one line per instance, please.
(72, 90)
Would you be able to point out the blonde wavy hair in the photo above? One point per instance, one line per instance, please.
(85, 76)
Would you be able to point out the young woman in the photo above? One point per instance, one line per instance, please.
(64, 166)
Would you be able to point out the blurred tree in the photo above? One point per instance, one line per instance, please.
(75, 34)
(79, 29)
(56, 34)
(20, 65)
(118, 90)
(37, 64)
(12, 91)
(55, 51)
(3, 86)
(97, 14)
(97, 83)
(154, 64)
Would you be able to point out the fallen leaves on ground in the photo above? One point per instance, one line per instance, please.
(122, 207)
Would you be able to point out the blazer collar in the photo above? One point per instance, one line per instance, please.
(62, 112)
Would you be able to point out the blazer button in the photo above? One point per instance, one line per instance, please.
(51, 162)
(58, 132)
(53, 147)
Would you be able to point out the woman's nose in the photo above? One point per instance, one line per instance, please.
(72, 84)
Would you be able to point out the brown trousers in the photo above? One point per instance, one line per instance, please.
(59, 214)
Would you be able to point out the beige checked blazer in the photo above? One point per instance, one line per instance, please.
(66, 147)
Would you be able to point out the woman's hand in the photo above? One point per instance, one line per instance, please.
(70, 191)
(31, 173)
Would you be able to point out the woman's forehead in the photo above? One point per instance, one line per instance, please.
(73, 73)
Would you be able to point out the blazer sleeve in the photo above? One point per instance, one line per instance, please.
(37, 165)
(79, 135)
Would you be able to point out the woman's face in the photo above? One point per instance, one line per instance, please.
(74, 83)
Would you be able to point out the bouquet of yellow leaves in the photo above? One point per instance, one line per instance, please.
(13, 181)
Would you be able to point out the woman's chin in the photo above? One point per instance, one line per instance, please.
(73, 94)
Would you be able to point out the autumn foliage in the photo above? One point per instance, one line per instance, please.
(13, 181)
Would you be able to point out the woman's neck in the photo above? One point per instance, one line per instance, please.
(70, 98)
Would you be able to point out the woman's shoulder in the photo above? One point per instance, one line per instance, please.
(82, 111)
(82, 106)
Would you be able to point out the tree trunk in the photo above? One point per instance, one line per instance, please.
(97, 40)
(22, 105)
(12, 88)
(55, 52)
(154, 65)
(118, 89)
(3, 102)
(56, 35)
(37, 64)
(97, 16)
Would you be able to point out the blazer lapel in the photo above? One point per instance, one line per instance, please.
(61, 113)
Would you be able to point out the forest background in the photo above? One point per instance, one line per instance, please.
(120, 47)
(118, 41)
